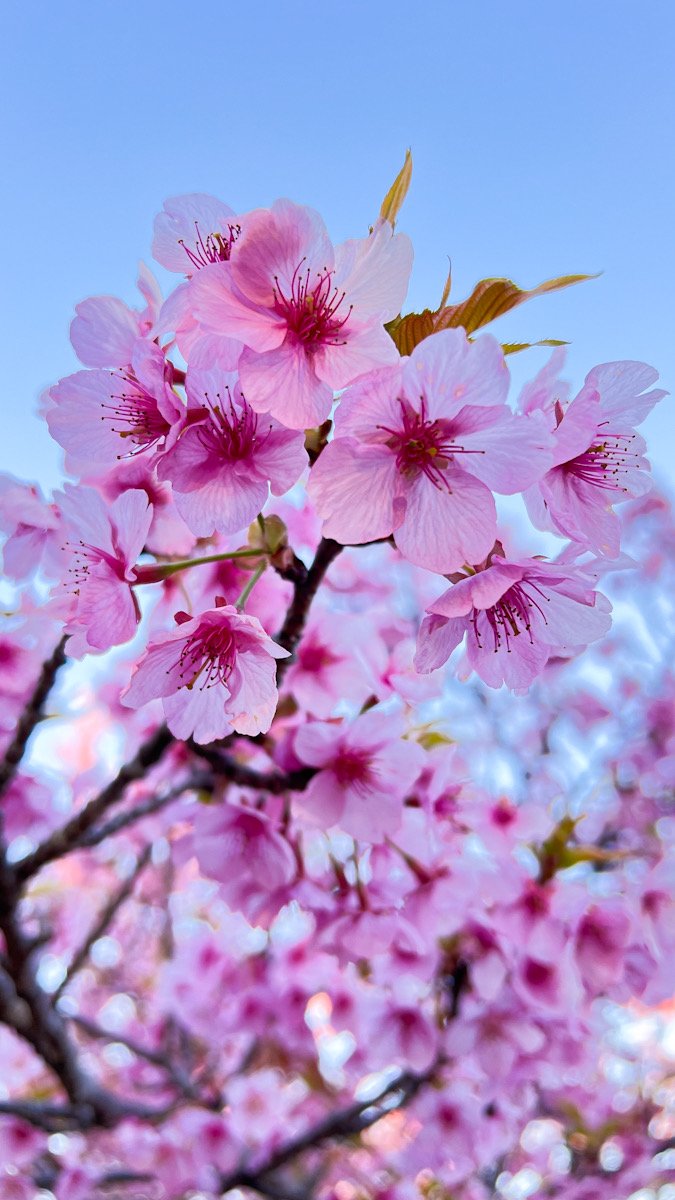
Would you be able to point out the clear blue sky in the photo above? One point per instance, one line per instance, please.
(542, 135)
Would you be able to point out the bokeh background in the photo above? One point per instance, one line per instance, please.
(542, 136)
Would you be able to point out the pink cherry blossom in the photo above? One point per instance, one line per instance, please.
(364, 774)
(419, 446)
(214, 672)
(33, 531)
(514, 615)
(336, 661)
(101, 416)
(192, 232)
(231, 840)
(310, 316)
(105, 332)
(220, 467)
(599, 458)
(105, 543)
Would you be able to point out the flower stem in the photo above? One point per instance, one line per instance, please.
(240, 603)
(156, 572)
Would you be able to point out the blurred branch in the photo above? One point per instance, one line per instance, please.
(64, 839)
(348, 1122)
(274, 782)
(176, 1074)
(106, 916)
(31, 715)
(199, 782)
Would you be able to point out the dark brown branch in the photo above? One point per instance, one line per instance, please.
(64, 839)
(177, 1076)
(53, 1118)
(105, 918)
(272, 781)
(31, 715)
(348, 1122)
(304, 592)
(201, 782)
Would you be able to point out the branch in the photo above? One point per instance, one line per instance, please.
(31, 715)
(65, 839)
(304, 592)
(53, 1118)
(346, 1123)
(177, 1076)
(201, 782)
(105, 918)
(273, 781)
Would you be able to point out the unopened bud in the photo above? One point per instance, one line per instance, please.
(270, 534)
(316, 439)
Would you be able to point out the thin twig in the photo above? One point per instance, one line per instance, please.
(304, 592)
(346, 1123)
(63, 840)
(31, 715)
(106, 916)
(177, 1076)
(275, 782)
(199, 782)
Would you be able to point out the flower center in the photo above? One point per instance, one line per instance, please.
(604, 463)
(216, 247)
(511, 615)
(134, 414)
(313, 656)
(311, 310)
(84, 558)
(425, 446)
(210, 655)
(352, 769)
(231, 431)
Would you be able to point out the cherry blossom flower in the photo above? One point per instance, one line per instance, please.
(220, 467)
(101, 416)
(214, 672)
(336, 661)
(105, 543)
(231, 840)
(310, 315)
(417, 449)
(365, 771)
(598, 458)
(33, 530)
(514, 615)
(193, 231)
(105, 332)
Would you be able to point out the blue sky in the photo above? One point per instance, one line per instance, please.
(542, 136)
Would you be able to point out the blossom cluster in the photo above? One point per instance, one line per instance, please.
(286, 904)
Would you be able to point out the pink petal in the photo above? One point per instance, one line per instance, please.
(443, 529)
(283, 382)
(354, 488)
(104, 332)
(451, 372)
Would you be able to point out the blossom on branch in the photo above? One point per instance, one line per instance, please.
(514, 616)
(418, 448)
(220, 467)
(311, 316)
(215, 673)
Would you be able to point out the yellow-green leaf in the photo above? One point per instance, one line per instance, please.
(491, 298)
(393, 201)
(516, 347)
(412, 329)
